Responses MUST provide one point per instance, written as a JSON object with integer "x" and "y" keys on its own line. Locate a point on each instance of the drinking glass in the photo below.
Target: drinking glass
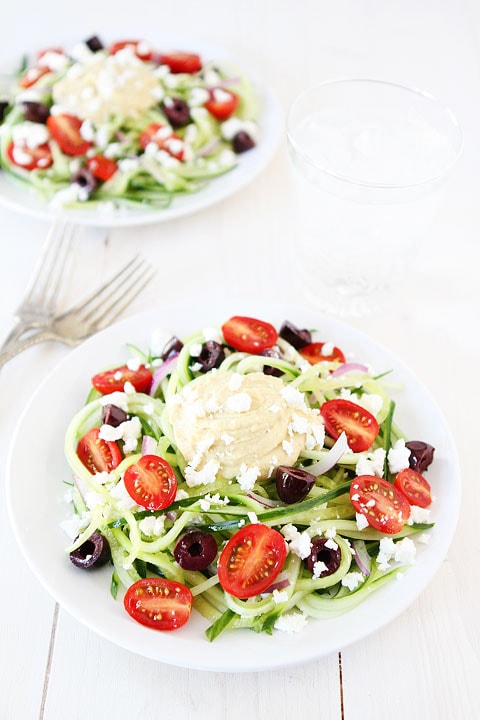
{"x": 369, "y": 159}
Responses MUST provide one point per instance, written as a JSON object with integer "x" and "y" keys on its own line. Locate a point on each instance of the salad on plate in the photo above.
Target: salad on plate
{"x": 254, "y": 474}
{"x": 125, "y": 124}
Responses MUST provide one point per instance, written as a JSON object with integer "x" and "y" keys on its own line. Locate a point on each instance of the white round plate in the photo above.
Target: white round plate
{"x": 20, "y": 197}
{"x": 35, "y": 499}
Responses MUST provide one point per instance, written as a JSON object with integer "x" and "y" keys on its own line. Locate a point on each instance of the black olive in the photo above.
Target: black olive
{"x": 93, "y": 552}
{"x": 273, "y": 352}
{"x": 176, "y": 111}
{"x": 85, "y": 179}
{"x": 113, "y": 415}
{"x": 174, "y": 345}
{"x": 195, "y": 550}
{"x": 3, "y": 109}
{"x": 320, "y": 553}
{"x": 293, "y": 335}
{"x": 242, "y": 142}
{"x": 421, "y": 454}
{"x": 36, "y": 112}
{"x": 94, "y": 43}
{"x": 293, "y": 484}
{"x": 211, "y": 356}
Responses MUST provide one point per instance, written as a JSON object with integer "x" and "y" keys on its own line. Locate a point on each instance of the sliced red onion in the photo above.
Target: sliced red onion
{"x": 264, "y": 501}
{"x": 279, "y": 585}
{"x": 209, "y": 147}
{"x": 81, "y": 486}
{"x": 161, "y": 373}
{"x": 149, "y": 445}
{"x": 361, "y": 556}
{"x": 328, "y": 461}
{"x": 228, "y": 81}
{"x": 349, "y": 367}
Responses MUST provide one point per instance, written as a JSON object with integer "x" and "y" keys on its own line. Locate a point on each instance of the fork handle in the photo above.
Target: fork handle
{"x": 15, "y": 348}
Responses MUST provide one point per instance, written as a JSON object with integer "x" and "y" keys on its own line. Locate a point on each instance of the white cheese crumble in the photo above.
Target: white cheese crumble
{"x": 402, "y": 552}
{"x": 418, "y": 515}
{"x": 241, "y": 402}
{"x": 279, "y": 596}
{"x": 128, "y": 431}
{"x": 299, "y": 543}
{"x": 291, "y": 622}
{"x": 153, "y": 525}
{"x": 247, "y": 477}
{"x": 371, "y": 463}
{"x": 352, "y": 580}
{"x": 119, "y": 399}
{"x": 398, "y": 456}
{"x": 361, "y": 521}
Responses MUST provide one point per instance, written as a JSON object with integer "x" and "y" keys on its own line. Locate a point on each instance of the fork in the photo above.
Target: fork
{"x": 94, "y": 313}
{"x": 39, "y": 304}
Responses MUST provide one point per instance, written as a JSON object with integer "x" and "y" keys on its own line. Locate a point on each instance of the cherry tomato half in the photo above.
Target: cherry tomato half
{"x": 414, "y": 486}
{"x": 102, "y": 167}
{"x": 32, "y": 75}
{"x": 313, "y": 353}
{"x": 222, "y": 103}
{"x": 65, "y": 129}
{"x": 385, "y": 508}
{"x": 182, "y": 62}
{"x": 251, "y": 560}
{"x": 158, "y": 603}
{"x": 38, "y": 158}
{"x": 114, "y": 380}
{"x": 248, "y": 334}
{"x": 360, "y": 426}
{"x": 96, "y": 454}
{"x": 141, "y": 49}
{"x": 171, "y": 143}
{"x": 151, "y": 482}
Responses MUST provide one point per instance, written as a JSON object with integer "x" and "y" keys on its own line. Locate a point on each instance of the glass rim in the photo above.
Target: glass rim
{"x": 386, "y": 83}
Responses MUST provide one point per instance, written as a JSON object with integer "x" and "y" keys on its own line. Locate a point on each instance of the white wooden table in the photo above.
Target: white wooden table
{"x": 425, "y": 664}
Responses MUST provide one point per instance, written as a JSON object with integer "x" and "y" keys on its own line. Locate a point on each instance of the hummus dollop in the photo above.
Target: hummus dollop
{"x": 241, "y": 427}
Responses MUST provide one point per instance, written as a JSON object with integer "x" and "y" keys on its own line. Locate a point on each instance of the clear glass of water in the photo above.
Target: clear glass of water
{"x": 369, "y": 159}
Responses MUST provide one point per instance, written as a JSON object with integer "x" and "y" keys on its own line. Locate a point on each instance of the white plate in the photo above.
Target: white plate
{"x": 36, "y": 507}
{"x": 20, "y": 197}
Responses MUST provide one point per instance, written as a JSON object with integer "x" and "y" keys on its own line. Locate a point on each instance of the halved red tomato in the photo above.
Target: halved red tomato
{"x": 384, "y": 507}
{"x": 222, "y": 103}
{"x": 151, "y": 482}
{"x": 414, "y": 486}
{"x": 249, "y": 334}
{"x": 360, "y": 426}
{"x": 32, "y": 75}
{"x": 140, "y": 48}
{"x": 65, "y": 129}
{"x": 114, "y": 380}
{"x": 170, "y": 142}
{"x": 159, "y": 603}
{"x": 38, "y": 158}
{"x": 181, "y": 62}
{"x": 102, "y": 167}
{"x": 251, "y": 560}
{"x": 313, "y": 353}
{"x": 96, "y": 454}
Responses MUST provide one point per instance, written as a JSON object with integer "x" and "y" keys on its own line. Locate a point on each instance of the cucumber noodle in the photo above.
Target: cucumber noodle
{"x": 222, "y": 507}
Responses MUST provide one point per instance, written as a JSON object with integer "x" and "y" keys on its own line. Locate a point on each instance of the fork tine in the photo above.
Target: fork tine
{"x": 47, "y": 277}
{"x": 130, "y": 291}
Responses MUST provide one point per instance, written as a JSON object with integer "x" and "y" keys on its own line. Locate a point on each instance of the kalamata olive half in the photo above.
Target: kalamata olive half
{"x": 36, "y": 112}
{"x": 293, "y": 484}
{"x": 3, "y": 109}
{"x": 273, "y": 352}
{"x": 94, "y": 43}
{"x": 195, "y": 550}
{"x": 421, "y": 454}
{"x": 93, "y": 552}
{"x": 85, "y": 179}
{"x": 113, "y": 415}
{"x": 242, "y": 142}
{"x": 176, "y": 111}
{"x": 331, "y": 557}
{"x": 211, "y": 356}
{"x": 295, "y": 336}
{"x": 174, "y": 345}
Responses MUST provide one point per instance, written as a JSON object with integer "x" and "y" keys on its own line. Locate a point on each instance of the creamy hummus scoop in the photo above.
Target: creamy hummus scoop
{"x": 233, "y": 426}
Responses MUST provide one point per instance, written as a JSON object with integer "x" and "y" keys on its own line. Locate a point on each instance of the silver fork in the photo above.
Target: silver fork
{"x": 94, "y": 313}
{"x": 39, "y": 304}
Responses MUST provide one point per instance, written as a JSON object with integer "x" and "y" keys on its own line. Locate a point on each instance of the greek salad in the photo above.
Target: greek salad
{"x": 254, "y": 474}
{"x": 124, "y": 124}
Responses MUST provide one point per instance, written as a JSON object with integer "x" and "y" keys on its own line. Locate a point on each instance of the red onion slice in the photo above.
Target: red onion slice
{"x": 161, "y": 373}
{"x": 264, "y": 501}
{"x": 361, "y": 556}
{"x": 349, "y": 367}
{"x": 328, "y": 461}
{"x": 149, "y": 445}
{"x": 81, "y": 486}
{"x": 279, "y": 585}
{"x": 209, "y": 147}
